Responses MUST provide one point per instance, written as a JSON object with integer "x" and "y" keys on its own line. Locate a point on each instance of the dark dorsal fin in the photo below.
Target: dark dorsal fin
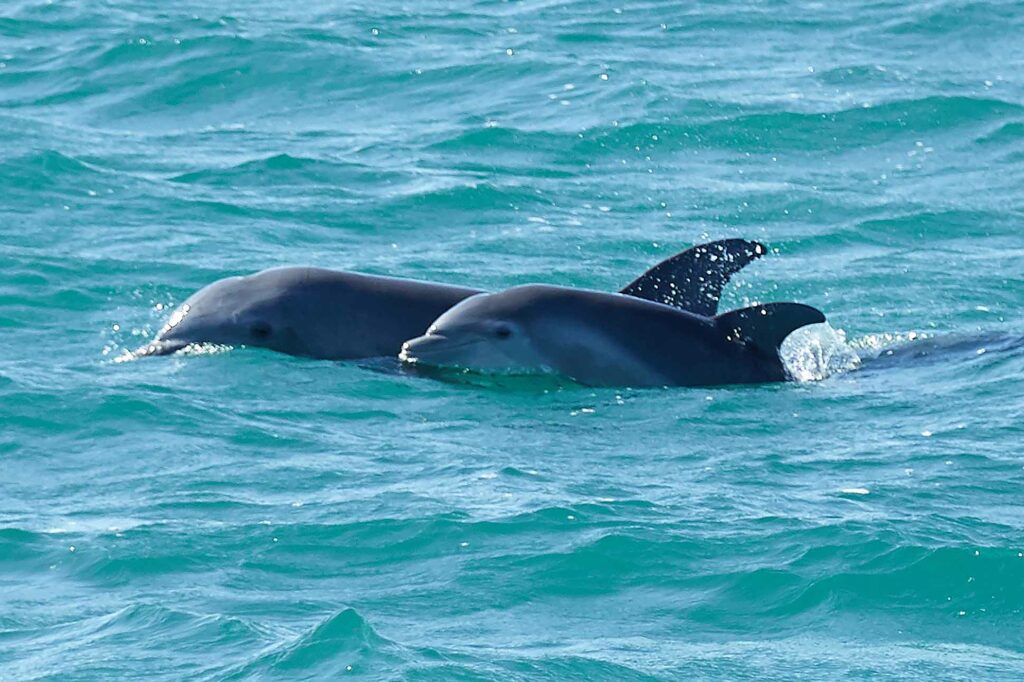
{"x": 766, "y": 326}
{"x": 693, "y": 280}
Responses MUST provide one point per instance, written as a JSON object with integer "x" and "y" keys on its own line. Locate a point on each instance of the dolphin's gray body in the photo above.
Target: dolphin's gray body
{"x": 602, "y": 339}
{"x": 336, "y": 315}
{"x": 310, "y": 312}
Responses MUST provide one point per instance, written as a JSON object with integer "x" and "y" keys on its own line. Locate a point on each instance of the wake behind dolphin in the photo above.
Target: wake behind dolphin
{"x": 335, "y": 315}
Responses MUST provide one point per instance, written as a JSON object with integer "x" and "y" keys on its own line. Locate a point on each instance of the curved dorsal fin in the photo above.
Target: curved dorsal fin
{"x": 693, "y": 280}
{"x": 766, "y": 326}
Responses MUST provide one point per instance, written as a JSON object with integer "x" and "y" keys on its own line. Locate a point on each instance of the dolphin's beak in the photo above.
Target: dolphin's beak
{"x": 429, "y": 349}
{"x": 160, "y": 347}
{"x": 412, "y": 348}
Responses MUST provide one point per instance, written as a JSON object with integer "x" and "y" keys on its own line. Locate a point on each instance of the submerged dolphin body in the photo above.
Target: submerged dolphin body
{"x": 601, "y": 339}
{"x": 336, "y": 315}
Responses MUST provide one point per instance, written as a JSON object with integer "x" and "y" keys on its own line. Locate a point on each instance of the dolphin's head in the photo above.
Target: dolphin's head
{"x": 235, "y": 311}
{"x": 486, "y": 332}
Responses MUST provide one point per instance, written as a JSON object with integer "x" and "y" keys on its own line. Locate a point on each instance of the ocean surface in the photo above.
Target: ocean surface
{"x": 249, "y": 515}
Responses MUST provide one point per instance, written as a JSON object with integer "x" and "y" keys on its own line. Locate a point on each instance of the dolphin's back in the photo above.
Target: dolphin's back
{"x": 369, "y": 315}
{"x": 612, "y": 339}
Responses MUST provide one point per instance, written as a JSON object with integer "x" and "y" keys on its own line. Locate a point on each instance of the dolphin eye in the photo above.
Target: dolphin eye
{"x": 261, "y": 330}
{"x": 503, "y": 331}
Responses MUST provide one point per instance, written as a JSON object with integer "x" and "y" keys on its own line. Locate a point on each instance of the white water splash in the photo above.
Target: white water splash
{"x": 816, "y": 352}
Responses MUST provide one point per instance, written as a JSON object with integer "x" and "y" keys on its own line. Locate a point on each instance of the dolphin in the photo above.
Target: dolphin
{"x": 306, "y": 311}
{"x": 602, "y": 339}
{"x": 338, "y": 315}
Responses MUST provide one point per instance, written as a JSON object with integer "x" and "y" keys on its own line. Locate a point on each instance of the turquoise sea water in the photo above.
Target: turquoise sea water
{"x": 247, "y": 515}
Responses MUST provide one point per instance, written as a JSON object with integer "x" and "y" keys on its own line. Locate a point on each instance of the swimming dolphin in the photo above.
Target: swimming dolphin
{"x": 311, "y": 312}
{"x": 336, "y": 315}
{"x": 602, "y": 339}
